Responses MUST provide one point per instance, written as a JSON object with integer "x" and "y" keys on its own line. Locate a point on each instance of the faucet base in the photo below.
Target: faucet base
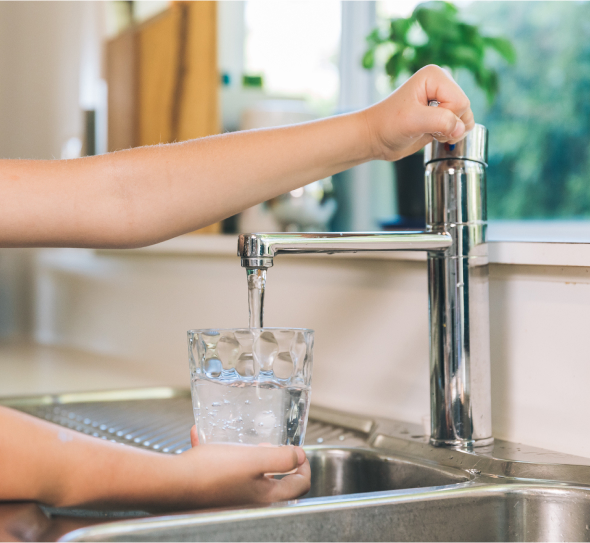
{"x": 462, "y": 443}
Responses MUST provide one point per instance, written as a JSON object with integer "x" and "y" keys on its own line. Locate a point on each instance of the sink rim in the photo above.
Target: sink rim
{"x": 209, "y": 517}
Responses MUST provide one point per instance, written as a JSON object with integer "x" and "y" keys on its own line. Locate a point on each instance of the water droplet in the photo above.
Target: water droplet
{"x": 216, "y": 404}
{"x": 247, "y": 402}
{"x": 320, "y": 440}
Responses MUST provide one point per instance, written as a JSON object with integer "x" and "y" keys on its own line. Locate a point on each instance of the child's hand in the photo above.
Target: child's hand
{"x": 223, "y": 475}
{"x": 403, "y": 123}
{"x": 64, "y": 468}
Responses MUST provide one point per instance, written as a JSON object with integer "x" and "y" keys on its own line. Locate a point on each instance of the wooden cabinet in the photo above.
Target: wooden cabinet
{"x": 163, "y": 81}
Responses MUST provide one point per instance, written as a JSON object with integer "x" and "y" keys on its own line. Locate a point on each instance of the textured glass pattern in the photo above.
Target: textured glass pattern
{"x": 251, "y": 385}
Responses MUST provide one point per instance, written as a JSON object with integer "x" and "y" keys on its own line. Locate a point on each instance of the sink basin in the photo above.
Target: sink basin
{"x": 472, "y": 512}
{"x": 340, "y": 471}
{"x": 337, "y": 473}
{"x": 378, "y": 480}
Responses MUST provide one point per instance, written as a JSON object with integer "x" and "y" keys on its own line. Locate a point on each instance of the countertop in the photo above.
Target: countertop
{"x": 29, "y": 368}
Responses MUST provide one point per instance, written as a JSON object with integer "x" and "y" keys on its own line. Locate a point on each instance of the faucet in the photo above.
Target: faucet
{"x": 458, "y": 300}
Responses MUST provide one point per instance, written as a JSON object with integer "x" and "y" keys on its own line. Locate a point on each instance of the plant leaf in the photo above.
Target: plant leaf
{"x": 438, "y": 5}
{"x": 374, "y": 38}
{"x": 470, "y": 35}
{"x": 502, "y": 46}
{"x": 369, "y": 59}
{"x": 398, "y": 29}
{"x": 469, "y": 57}
{"x": 438, "y": 24}
{"x": 395, "y": 65}
{"x": 444, "y": 40}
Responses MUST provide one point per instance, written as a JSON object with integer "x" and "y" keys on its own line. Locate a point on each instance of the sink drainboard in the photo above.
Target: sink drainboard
{"x": 158, "y": 424}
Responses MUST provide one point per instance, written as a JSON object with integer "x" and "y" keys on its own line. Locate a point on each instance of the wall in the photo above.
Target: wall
{"x": 42, "y": 45}
{"x": 370, "y": 317}
{"x": 541, "y": 355}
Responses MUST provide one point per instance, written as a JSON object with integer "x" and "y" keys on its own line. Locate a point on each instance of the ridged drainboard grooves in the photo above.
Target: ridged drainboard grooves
{"x": 159, "y": 424}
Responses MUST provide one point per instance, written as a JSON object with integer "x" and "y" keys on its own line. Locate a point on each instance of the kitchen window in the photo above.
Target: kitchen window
{"x": 294, "y": 45}
{"x": 540, "y": 123}
{"x": 539, "y": 164}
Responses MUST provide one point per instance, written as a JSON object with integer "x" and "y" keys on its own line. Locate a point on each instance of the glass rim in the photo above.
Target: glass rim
{"x": 270, "y": 328}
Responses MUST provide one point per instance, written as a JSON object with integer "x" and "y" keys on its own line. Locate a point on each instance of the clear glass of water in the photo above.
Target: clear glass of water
{"x": 251, "y": 385}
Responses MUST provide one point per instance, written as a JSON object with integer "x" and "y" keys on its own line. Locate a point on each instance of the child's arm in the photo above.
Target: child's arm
{"x": 145, "y": 195}
{"x": 44, "y": 462}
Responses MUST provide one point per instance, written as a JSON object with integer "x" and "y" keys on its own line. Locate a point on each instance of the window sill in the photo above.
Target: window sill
{"x": 500, "y": 252}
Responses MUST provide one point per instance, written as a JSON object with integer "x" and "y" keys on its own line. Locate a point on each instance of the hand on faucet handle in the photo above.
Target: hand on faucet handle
{"x": 403, "y": 123}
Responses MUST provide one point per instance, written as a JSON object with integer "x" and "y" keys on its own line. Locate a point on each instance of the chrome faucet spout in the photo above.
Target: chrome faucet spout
{"x": 259, "y": 250}
{"x": 455, "y": 240}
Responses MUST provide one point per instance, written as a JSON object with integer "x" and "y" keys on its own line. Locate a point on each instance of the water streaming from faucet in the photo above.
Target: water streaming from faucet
{"x": 256, "y": 285}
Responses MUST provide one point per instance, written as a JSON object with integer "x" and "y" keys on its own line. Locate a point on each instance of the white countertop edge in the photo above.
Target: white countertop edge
{"x": 500, "y": 252}
{"x": 540, "y": 253}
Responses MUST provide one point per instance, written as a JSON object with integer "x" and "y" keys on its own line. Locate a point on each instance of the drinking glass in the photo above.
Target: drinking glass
{"x": 251, "y": 385}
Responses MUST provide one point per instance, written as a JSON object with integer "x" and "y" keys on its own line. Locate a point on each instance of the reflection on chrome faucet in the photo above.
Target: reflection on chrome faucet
{"x": 455, "y": 240}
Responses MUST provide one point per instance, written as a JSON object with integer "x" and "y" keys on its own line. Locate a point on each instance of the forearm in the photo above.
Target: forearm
{"x": 44, "y": 462}
{"x": 142, "y": 196}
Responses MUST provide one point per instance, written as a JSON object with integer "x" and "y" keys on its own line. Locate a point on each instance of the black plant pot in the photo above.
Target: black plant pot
{"x": 411, "y": 205}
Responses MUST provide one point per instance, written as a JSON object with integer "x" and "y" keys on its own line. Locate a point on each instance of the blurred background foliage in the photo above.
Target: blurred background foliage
{"x": 539, "y": 166}
{"x": 436, "y": 34}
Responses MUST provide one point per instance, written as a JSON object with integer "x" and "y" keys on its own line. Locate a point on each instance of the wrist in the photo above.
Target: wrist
{"x": 161, "y": 482}
{"x": 144, "y": 480}
{"x": 372, "y": 147}
{"x": 113, "y": 475}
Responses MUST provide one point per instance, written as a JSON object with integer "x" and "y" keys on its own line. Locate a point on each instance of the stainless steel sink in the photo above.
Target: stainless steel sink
{"x": 510, "y": 512}
{"x": 340, "y": 471}
{"x": 372, "y": 480}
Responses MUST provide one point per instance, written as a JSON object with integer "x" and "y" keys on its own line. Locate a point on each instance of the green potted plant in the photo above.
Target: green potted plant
{"x": 433, "y": 34}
